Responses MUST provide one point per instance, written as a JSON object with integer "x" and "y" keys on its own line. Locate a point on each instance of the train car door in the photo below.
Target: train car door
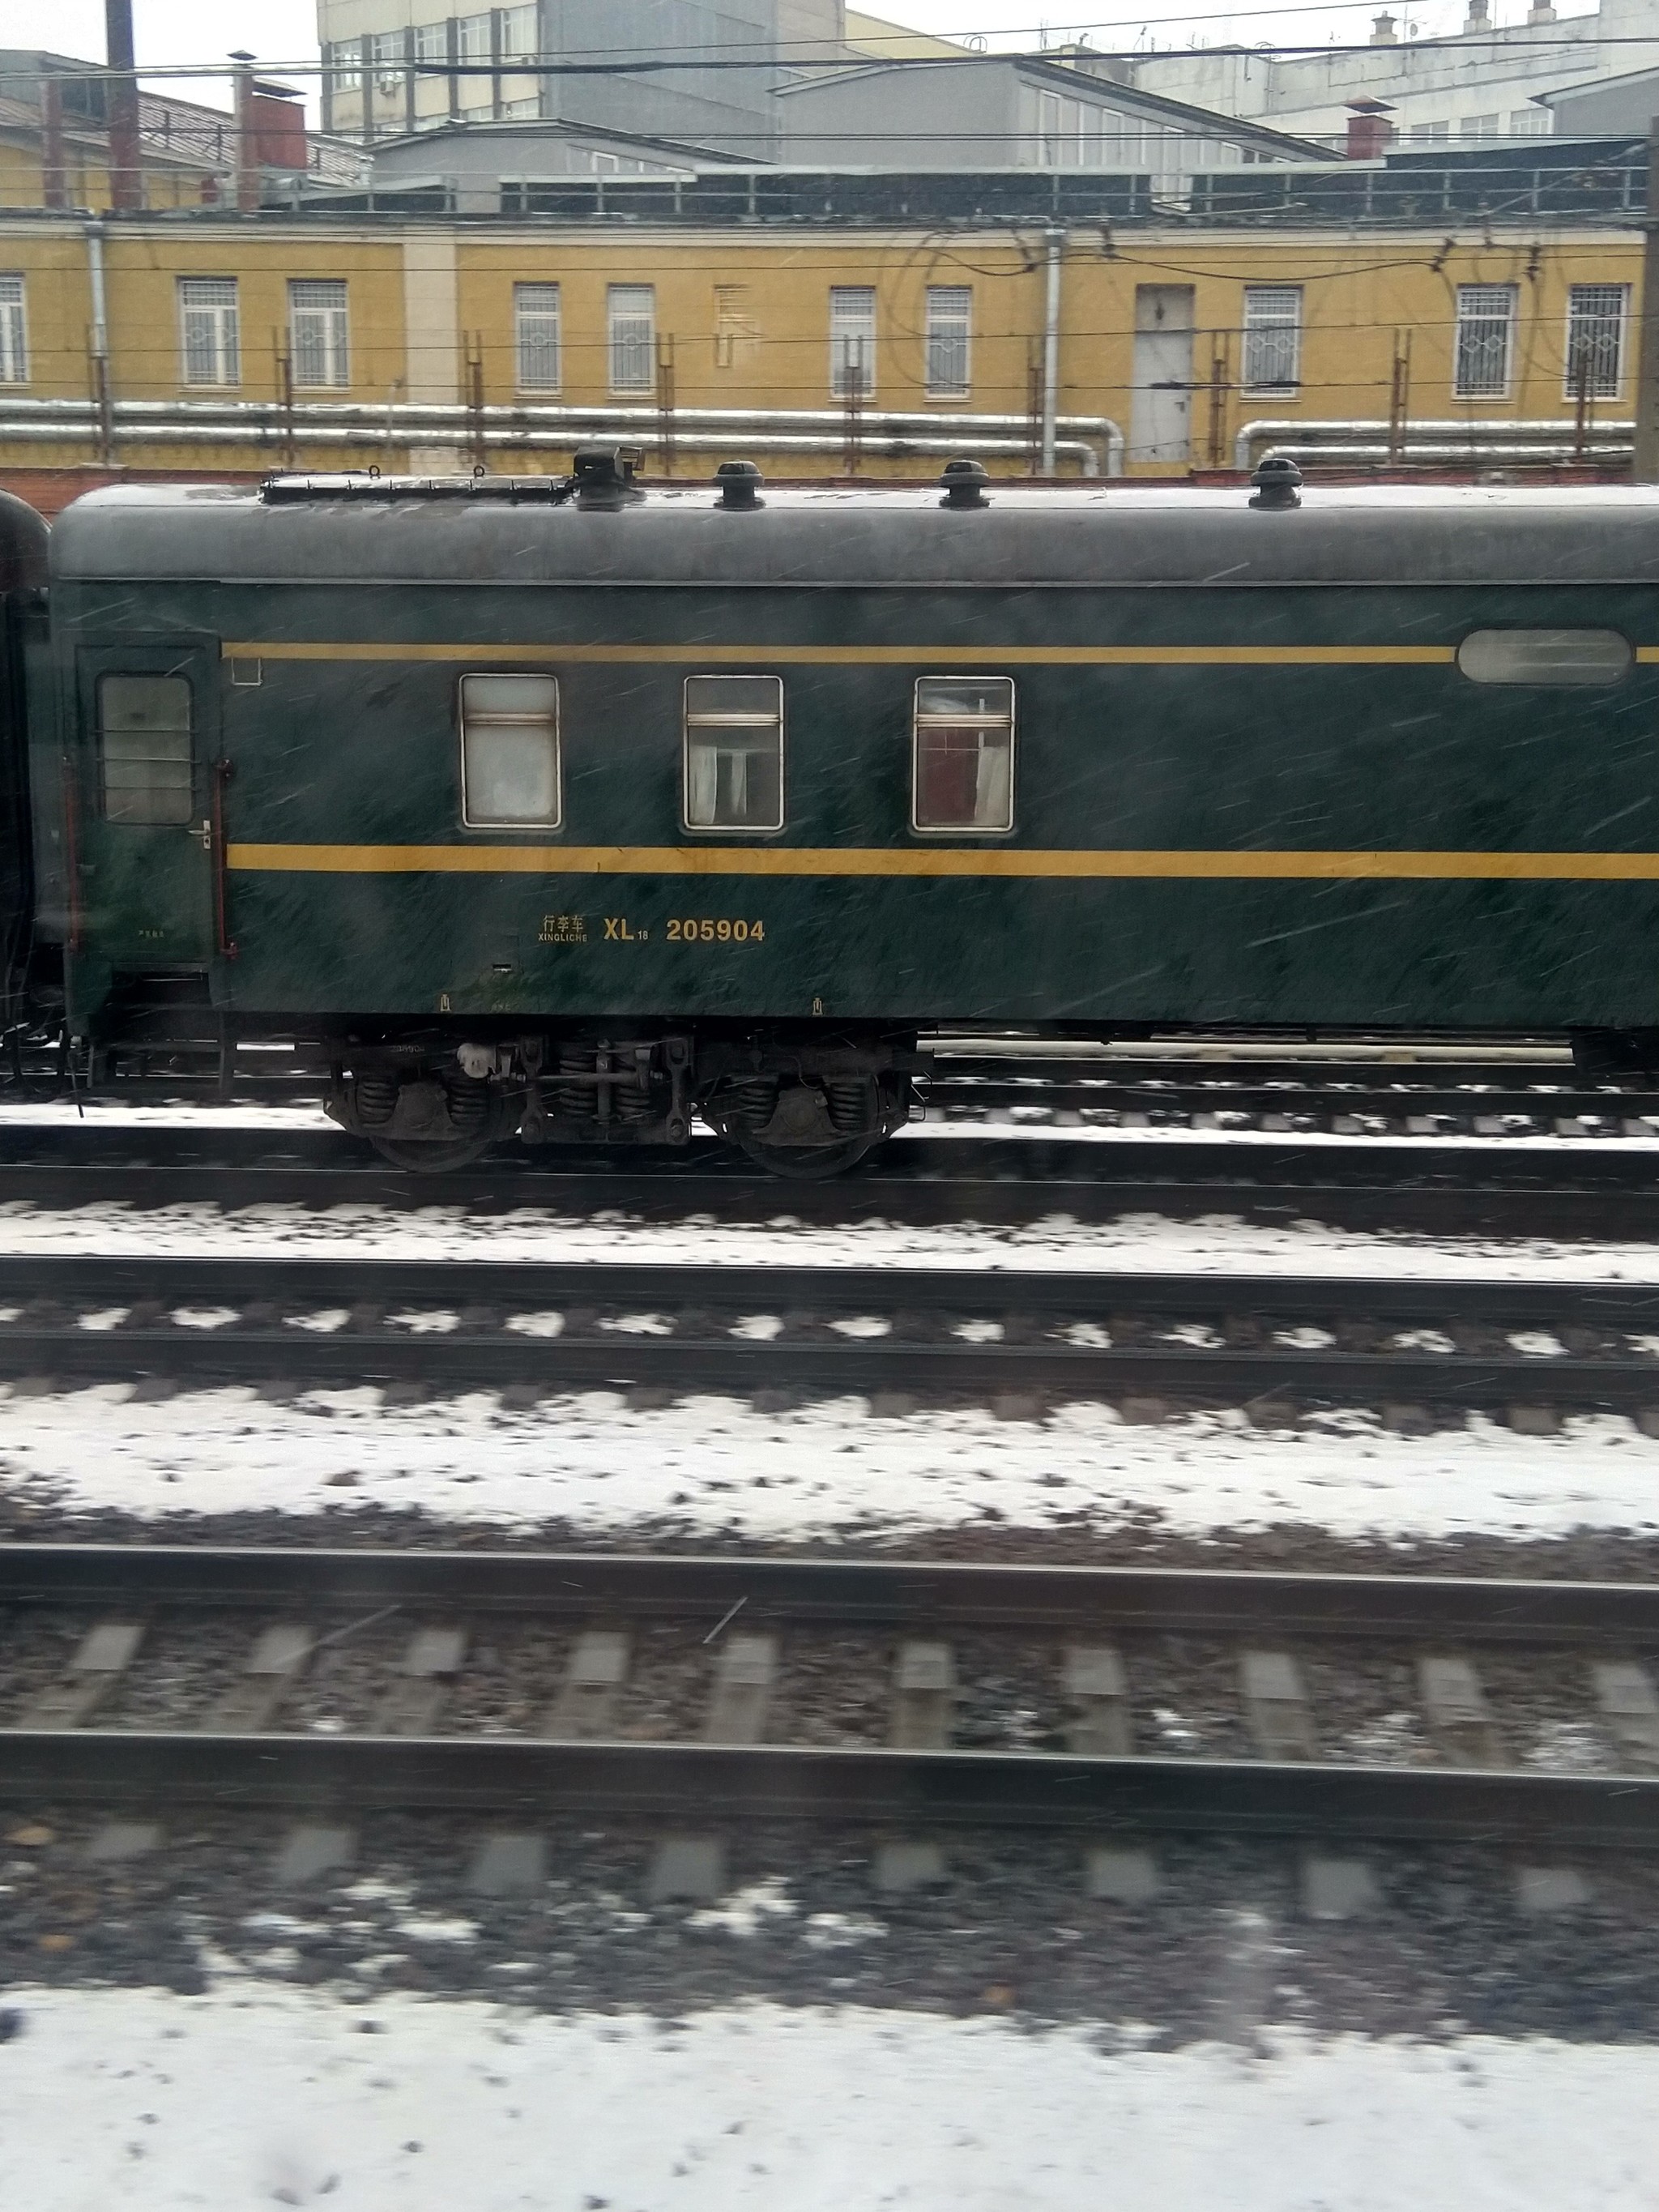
{"x": 145, "y": 832}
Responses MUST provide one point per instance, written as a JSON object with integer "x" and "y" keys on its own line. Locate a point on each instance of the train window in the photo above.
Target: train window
{"x": 734, "y": 752}
{"x": 1545, "y": 656}
{"x": 964, "y": 742}
{"x": 510, "y": 752}
{"x": 143, "y": 730}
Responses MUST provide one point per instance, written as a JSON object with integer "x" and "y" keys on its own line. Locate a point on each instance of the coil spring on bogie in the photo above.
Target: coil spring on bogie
{"x": 468, "y": 1098}
{"x": 573, "y": 1102}
{"x": 752, "y": 1105}
{"x": 376, "y": 1099}
{"x": 850, "y": 1104}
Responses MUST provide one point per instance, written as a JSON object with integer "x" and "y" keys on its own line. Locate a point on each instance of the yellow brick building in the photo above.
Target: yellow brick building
{"x": 220, "y": 343}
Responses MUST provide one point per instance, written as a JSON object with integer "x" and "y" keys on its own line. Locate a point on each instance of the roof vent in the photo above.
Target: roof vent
{"x": 1277, "y": 483}
{"x": 739, "y": 484}
{"x": 964, "y": 483}
{"x": 605, "y": 476}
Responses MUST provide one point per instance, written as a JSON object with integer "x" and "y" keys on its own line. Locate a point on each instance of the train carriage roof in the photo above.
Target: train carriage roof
{"x": 440, "y": 531}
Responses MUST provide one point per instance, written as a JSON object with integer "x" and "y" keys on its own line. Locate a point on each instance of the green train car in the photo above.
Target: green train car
{"x": 551, "y": 808}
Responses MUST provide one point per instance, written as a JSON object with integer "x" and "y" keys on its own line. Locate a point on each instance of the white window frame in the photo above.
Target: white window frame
{"x": 432, "y": 44}
{"x": 488, "y": 718}
{"x": 539, "y": 336}
{"x": 215, "y": 300}
{"x": 630, "y": 330}
{"x": 1271, "y": 337}
{"x": 730, "y": 719}
{"x": 950, "y": 342}
{"x": 13, "y": 329}
{"x": 472, "y": 38}
{"x": 525, "y": 15}
{"x": 344, "y": 75}
{"x": 852, "y": 341}
{"x": 1489, "y": 308}
{"x": 919, "y": 720}
{"x": 1606, "y": 305}
{"x": 320, "y": 333}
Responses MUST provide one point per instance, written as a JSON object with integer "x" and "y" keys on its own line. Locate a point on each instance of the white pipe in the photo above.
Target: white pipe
{"x": 1453, "y": 454}
{"x": 1054, "y": 239}
{"x": 354, "y": 435}
{"x": 954, "y": 432}
{"x": 1472, "y": 433}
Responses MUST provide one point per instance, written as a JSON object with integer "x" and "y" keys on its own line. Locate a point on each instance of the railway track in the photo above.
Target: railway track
{"x": 1586, "y": 1190}
{"x": 964, "y": 1694}
{"x": 1151, "y": 1343}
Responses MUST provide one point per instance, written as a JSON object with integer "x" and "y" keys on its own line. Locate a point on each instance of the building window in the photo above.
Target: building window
{"x": 734, "y": 752}
{"x": 963, "y": 777}
{"x": 1597, "y": 315}
{"x": 950, "y": 332}
{"x": 1530, "y": 123}
{"x": 1479, "y": 126}
{"x": 852, "y": 341}
{"x": 536, "y": 334}
{"x": 1486, "y": 340}
{"x": 432, "y": 44}
{"x": 472, "y": 38}
{"x": 519, "y": 37}
{"x": 210, "y": 340}
{"x": 1430, "y": 134}
{"x": 319, "y": 332}
{"x": 510, "y": 752}
{"x": 345, "y": 74}
{"x": 734, "y": 327}
{"x": 14, "y": 332}
{"x": 143, "y": 730}
{"x": 1545, "y": 656}
{"x": 631, "y": 312}
{"x": 385, "y": 51}
{"x": 1273, "y": 337}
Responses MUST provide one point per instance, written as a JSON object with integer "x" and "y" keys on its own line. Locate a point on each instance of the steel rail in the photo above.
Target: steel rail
{"x": 673, "y": 1780}
{"x": 701, "y": 1357}
{"x": 931, "y": 1594}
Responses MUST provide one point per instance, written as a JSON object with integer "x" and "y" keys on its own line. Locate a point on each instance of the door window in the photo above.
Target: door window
{"x": 143, "y": 730}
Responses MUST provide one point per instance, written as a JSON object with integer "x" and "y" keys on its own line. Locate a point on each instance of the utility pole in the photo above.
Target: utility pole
{"x": 127, "y": 188}
{"x": 1646, "y": 468}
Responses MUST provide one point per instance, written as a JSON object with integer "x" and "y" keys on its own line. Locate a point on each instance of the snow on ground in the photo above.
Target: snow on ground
{"x": 1141, "y": 1243}
{"x": 253, "y": 2095}
{"x": 718, "y": 1465}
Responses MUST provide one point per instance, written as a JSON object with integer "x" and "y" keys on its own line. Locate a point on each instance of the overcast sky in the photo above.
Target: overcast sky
{"x": 187, "y": 32}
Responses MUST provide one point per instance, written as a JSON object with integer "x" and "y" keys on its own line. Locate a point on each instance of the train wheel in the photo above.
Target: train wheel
{"x": 437, "y": 1158}
{"x": 805, "y": 1162}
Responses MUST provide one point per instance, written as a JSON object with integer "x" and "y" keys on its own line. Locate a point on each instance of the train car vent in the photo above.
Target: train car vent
{"x": 604, "y": 477}
{"x": 739, "y": 484}
{"x": 964, "y": 483}
{"x": 1278, "y": 484}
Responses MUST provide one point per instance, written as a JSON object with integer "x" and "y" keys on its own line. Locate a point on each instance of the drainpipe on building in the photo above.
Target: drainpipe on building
{"x": 101, "y": 396}
{"x": 1646, "y": 468}
{"x": 1054, "y": 239}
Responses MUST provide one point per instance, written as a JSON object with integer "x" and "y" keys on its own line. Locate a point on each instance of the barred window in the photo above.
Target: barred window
{"x": 536, "y": 332}
{"x": 318, "y": 332}
{"x": 962, "y": 773}
{"x": 632, "y": 317}
{"x": 143, "y": 732}
{"x": 510, "y": 752}
{"x": 1486, "y": 340}
{"x": 1273, "y": 337}
{"x": 210, "y": 339}
{"x": 1597, "y": 317}
{"x": 852, "y": 341}
{"x": 14, "y": 332}
{"x": 734, "y": 752}
{"x": 950, "y": 334}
